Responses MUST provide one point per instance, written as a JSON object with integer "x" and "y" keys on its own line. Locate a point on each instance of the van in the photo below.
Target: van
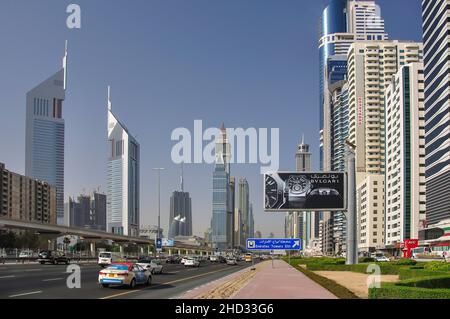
{"x": 107, "y": 258}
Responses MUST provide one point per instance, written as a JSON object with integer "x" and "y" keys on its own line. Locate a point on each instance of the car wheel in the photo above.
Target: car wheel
{"x": 149, "y": 281}
{"x": 42, "y": 262}
{"x": 55, "y": 262}
{"x": 105, "y": 285}
{"x": 161, "y": 271}
{"x": 67, "y": 261}
{"x": 133, "y": 283}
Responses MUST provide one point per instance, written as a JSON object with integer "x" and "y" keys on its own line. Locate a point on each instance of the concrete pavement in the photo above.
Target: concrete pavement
{"x": 282, "y": 282}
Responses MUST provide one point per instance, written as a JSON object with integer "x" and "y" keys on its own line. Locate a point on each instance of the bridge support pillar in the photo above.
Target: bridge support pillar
{"x": 121, "y": 250}
{"x": 141, "y": 250}
{"x": 92, "y": 249}
{"x": 170, "y": 252}
{"x": 179, "y": 252}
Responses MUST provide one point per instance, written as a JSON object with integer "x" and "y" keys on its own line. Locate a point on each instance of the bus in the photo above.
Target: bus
{"x": 248, "y": 258}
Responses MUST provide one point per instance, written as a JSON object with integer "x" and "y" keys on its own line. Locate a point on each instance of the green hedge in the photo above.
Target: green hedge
{"x": 434, "y": 282}
{"x": 386, "y": 268}
{"x": 393, "y": 291}
{"x": 408, "y": 273}
{"x": 405, "y": 262}
{"x": 438, "y": 266}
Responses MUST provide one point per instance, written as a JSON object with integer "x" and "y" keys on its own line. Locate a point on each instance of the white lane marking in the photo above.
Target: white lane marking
{"x": 26, "y": 294}
{"x": 52, "y": 279}
{"x": 11, "y": 276}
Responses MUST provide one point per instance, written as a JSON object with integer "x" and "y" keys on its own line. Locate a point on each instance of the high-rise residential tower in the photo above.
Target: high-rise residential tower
{"x": 221, "y": 192}
{"x": 405, "y": 155}
{"x": 372, "y": 66}
{"x": 180, "y": 219}
{"x": 436, "y": 27}
{"x": 123, "y": 178}
{"x": 87, "y": 212}
{"x": 45, "y": 134}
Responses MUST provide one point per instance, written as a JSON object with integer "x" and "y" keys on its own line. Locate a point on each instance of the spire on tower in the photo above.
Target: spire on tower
{"x": 109, "y": 98}
{"x": 182, "y": 178}
{"x": 65, "y": 63}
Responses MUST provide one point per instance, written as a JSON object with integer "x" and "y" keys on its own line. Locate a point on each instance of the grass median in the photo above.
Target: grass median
{"x": 339, "y": 291}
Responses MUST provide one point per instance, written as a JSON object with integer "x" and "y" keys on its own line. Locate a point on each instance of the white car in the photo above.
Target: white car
{"x": 232, "y": 261}
{"x": 191, "y": 262}
{"x": 183, "y": 260}
{"x": 124, "y": 274}
{"x": 214, "y": 259}
{"x": 154, "y": 266}
{"x": 381, "y": 258}
{"x": 26, "y": 254}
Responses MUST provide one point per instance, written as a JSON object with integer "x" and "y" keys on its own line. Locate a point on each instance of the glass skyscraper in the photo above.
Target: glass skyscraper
{"x": 436, "y": 27}
{"x": 123, "y": 178}
{"x": 221, "y": 193}
{"x": 45, "y": 133}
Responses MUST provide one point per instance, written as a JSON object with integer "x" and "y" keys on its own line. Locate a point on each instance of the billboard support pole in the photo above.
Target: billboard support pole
{"x": 352, "y": 246}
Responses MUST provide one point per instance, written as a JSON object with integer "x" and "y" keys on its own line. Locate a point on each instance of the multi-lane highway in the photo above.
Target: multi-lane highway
{"x": 49, "y": 281}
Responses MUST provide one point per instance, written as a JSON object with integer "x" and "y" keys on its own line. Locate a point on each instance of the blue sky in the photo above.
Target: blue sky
{"x": 248, "y": 63}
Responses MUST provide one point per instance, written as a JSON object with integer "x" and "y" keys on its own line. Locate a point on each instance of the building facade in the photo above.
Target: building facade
{"x": 26, "y": 199}
{"x": 180, "y": 218}
{"x": 123, "y": 178}
{"x": 436, "y": 27}
{"x": 244, "y": 210}
{"x": 405, "y": 155}
{"x": 45, "y": 133}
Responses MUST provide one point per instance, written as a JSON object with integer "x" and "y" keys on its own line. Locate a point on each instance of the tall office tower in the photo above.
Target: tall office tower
{"x": 123, "y": 178}
{"x": 26, "y": 199}
{"x": 237, "y": 227}
{"x": 251, "y": 223}
{"x": 45, "y": 132}
{"x": 371, "y": 68}
{"x": 87, "y": 212}
{"x": 436, "y": 26}
{"x": 338, "y": 98}
{"x": 405, "y": 155}
{"x": 230, "y": 212}
{"x": 180, "y": 219}
{"x": 244, "y": 209}
{"x": 221, "y": 192}
{"x": 364, "y": 21}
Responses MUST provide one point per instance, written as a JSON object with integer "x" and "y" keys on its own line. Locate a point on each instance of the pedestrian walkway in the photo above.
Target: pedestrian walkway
{"x": 282, "y": 281}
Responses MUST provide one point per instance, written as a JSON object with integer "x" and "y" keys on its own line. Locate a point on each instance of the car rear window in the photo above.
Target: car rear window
{"x": 105, "y": 255}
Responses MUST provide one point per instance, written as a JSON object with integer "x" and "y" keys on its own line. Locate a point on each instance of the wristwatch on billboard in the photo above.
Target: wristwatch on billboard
{"x": 273, "y": 186}
{"x": 297, "y": 188}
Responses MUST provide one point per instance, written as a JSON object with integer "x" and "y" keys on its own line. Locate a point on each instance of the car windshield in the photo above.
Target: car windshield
{"x": 105, "y": 255}
{"x": 144, "y": 261}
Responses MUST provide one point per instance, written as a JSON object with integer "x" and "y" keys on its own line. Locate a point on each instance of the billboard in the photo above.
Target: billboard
{"x": 299, "y": 191}
{"x": 168, "y": 242}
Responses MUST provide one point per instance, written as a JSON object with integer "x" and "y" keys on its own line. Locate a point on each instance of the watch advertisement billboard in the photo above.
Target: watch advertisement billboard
{"x": 168, "y": 242}
{"x": 299, "y": 191}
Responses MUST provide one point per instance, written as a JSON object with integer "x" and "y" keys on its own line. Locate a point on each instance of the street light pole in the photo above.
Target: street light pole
{"x": 352, "y": 245}
{"x": 159, "y": 204}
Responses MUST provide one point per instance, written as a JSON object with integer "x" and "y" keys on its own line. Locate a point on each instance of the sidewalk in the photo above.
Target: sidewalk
{"x": 282, "y": 282}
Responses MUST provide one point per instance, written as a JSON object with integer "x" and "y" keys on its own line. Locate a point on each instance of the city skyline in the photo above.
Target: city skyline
{"x": 87, "y": 132}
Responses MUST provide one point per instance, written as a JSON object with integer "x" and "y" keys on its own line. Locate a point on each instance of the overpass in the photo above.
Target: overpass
{"x": 94, "y": 235}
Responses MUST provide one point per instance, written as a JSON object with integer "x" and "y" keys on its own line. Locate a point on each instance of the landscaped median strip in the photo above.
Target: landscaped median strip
{"x": 339, "y": 291}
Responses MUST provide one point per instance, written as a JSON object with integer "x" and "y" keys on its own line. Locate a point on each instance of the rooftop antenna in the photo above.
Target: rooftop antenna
{"x": 65, "y": 63}
{"x": 182, "y": 178}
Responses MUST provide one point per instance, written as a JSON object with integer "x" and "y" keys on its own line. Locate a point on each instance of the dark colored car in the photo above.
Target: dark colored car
{"x": 53, "y": 257}
{"x": 222, "y": 259}
{"x": 173, "y": 260}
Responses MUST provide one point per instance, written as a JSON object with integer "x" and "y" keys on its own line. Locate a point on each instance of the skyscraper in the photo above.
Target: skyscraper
{"x": 221, "y": 192}
{"x": 45, "y": 134}
{"x": 436, "y": 26}
{"x": 372, "y": 66}
{"x": 87, "y": 212}
{"x": 230, "y": 212}
{"x": 123, "y": 178}
{"x": 405, "y": 155}
{"x": 180, "y": 209}
{"x": 244, "y": 209}
{"x": 342, "y": 23}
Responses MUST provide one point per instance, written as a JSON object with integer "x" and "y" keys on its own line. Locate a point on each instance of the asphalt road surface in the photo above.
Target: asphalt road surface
{"x": 35, "y": 281}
